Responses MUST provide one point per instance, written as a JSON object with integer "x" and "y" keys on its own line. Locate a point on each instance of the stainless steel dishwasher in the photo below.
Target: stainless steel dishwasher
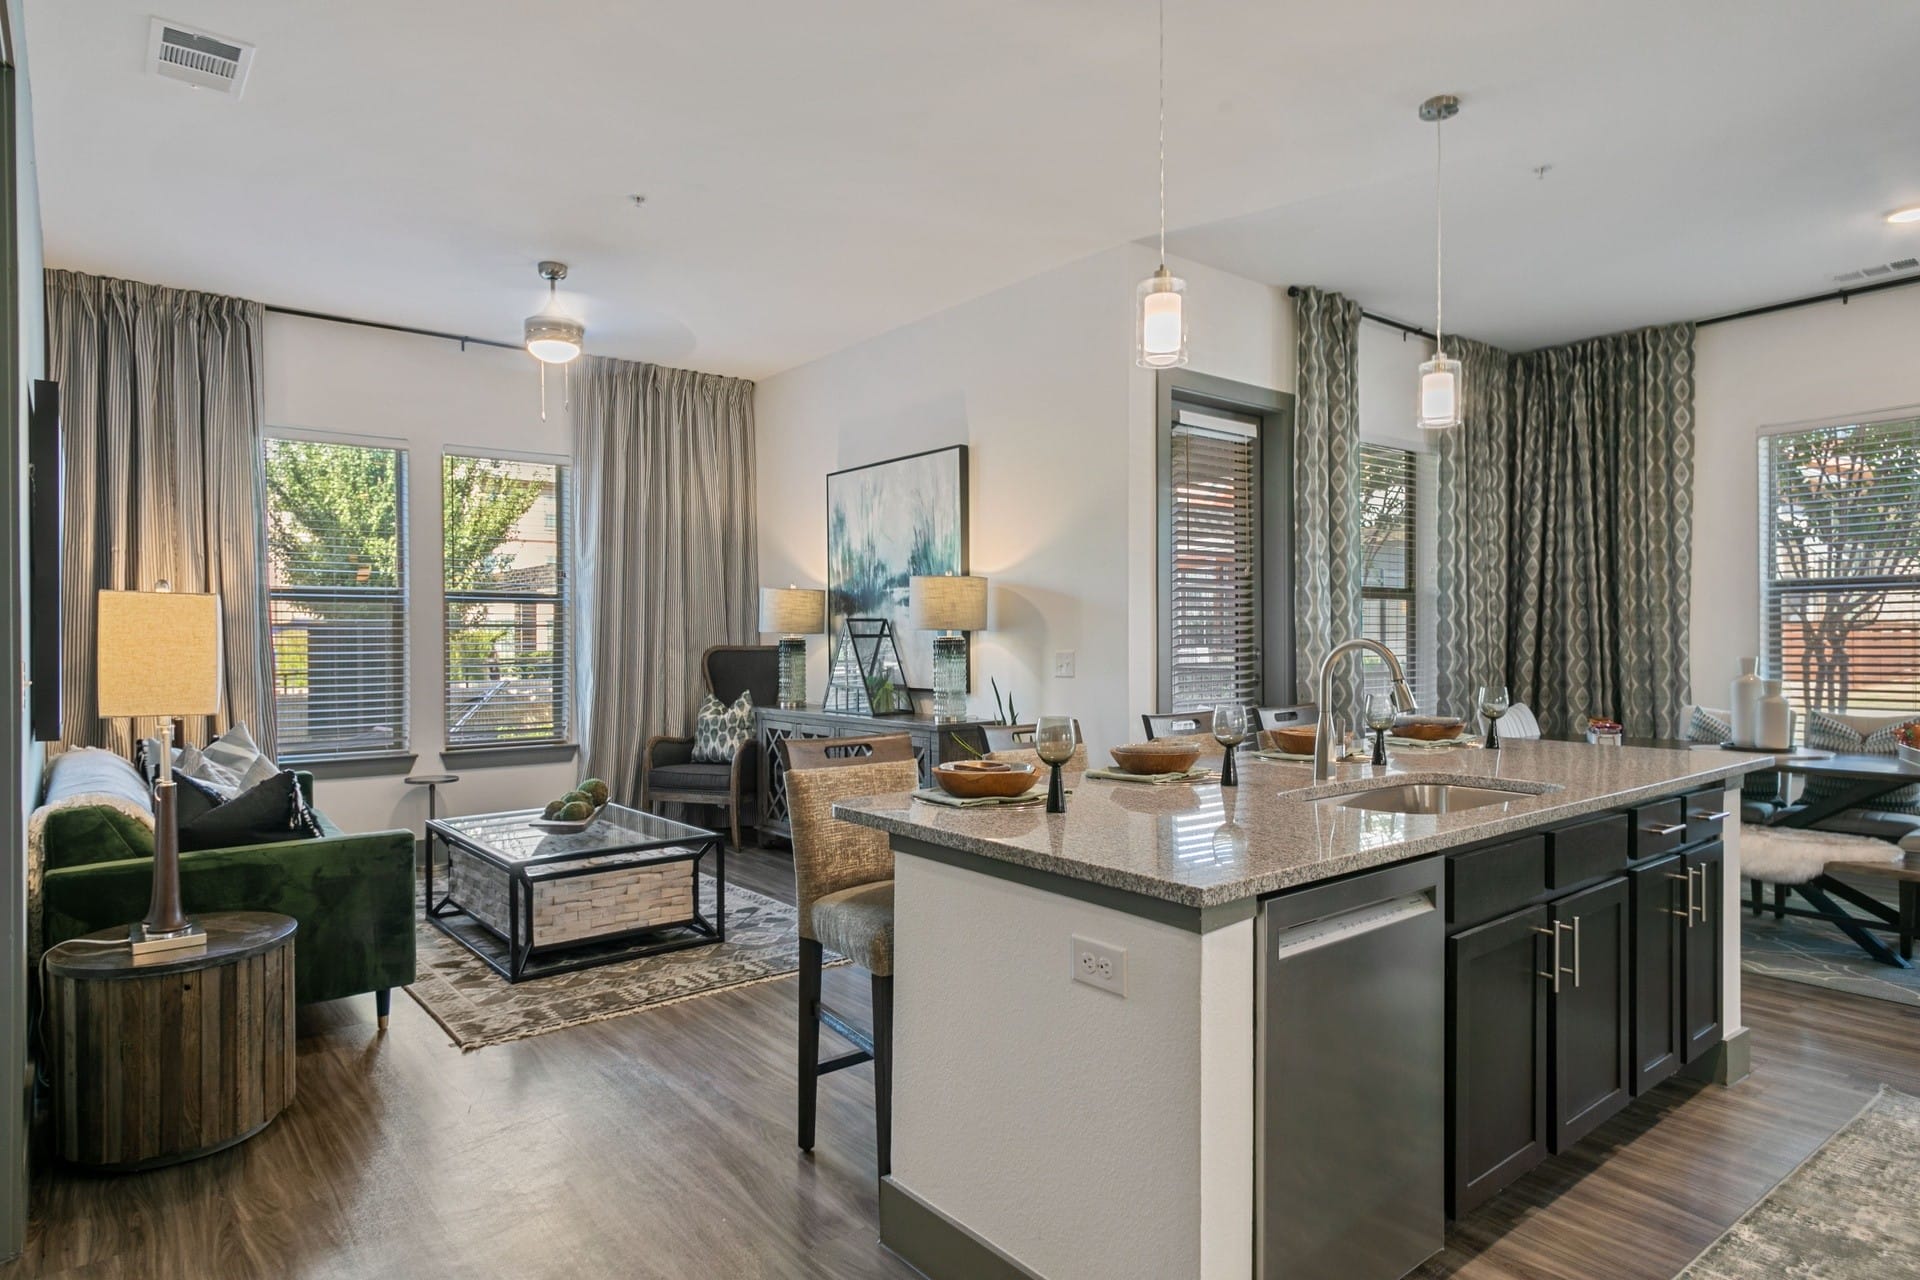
{"x": 1350, "y": 1108}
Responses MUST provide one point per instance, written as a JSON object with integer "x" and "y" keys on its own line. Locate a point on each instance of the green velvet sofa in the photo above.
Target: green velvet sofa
{"x": 353, "y": 895}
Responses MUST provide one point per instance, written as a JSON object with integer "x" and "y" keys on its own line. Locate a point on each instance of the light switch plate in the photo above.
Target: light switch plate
{"x": 1100, "y": 964}
{"x": 1063, "y": 664}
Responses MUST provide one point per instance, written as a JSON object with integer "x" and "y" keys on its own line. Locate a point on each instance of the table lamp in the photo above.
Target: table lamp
{"x": 793, "y": 613}
{"x": 949, "y": 605}
{"x": 158, "y": 654}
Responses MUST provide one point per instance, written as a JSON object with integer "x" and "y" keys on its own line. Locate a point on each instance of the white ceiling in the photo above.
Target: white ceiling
{"x": 820, "y": 173}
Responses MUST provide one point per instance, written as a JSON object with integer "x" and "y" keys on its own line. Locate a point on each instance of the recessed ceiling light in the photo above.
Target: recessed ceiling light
{"x": 1909, "y": 214}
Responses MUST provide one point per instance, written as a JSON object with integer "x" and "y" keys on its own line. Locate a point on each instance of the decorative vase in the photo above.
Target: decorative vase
{"x": 1744, "y": 706}
{"x": 1774, "y": 725}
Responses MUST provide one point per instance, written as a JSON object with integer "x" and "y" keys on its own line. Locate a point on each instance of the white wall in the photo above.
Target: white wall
{"x": 1812, "y": 365}
{"x": 430, "y": 395}
{"x": 1037, "y": 380}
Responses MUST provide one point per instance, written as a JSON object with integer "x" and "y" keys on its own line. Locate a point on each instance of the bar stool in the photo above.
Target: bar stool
{"x": 843, "y": 878}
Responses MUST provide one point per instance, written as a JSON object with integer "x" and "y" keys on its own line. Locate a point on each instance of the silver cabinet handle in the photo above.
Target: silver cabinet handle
{"x": 1686, "y": 915}
{"x": 1673, "y": 830}
{"x": 1553, "y": 970}
{"x": 1702, "y": 907}
{"x": 1718, "y": 815}
{"x": 1576, "y": 953}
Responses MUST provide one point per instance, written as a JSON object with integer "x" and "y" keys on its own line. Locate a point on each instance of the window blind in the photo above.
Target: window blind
{"x": 1840, "y": 565}
{"x": 508, "y": 678}
{"x": 1388, "y": 498}
{"x": 1213, "y": 587}
{"x": 336, "y": 597}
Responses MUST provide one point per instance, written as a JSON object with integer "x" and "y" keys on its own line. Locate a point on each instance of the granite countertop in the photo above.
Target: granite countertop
{"x": 1204, "y": 846}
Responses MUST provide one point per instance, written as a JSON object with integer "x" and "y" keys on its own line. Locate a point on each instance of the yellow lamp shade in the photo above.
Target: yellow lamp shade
{"x": 793, "y": 611}
{"x": 158, "y": 654}
{"x": 948, "y": 603}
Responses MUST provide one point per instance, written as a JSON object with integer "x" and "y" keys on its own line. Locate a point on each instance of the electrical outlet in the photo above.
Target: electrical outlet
{"x": 1063, "y": 664}
{"x": 1101, "y": 965}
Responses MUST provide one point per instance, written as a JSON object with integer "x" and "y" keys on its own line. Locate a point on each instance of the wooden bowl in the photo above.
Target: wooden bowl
{"x": 1295, "y": 741}
{"x": 974, "y": 779}
{"x": 1155, "y": 757}
{"x": 1427, "y": 728}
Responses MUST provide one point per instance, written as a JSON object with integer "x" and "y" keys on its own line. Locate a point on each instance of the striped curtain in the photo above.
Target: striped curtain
{"x": 1326, "y": 495}
{"x": 163, "y": 406}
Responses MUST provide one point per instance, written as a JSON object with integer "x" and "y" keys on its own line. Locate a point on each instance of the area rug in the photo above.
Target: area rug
{"x": 1847, "y": 1213}
{"x": 477, "y": 1007}
{"x": 1817, "y": 954}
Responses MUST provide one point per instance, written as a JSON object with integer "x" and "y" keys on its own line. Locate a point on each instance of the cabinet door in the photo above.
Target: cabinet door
{"x": 1496, "y": 1055}
{"x": 1588, "y": 1024}
{"x": 1657, "y": 905}
{"x": 1701, "y": 955}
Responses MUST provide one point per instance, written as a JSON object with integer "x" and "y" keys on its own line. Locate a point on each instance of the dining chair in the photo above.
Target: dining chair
{"x": 1178, "y": 724}
{"x": 1518, "y": 723}
{"x": 1294, "y": 717}
{"x": 843, "y": 882}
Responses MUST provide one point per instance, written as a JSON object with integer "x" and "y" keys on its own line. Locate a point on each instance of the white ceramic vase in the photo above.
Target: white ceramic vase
{"x": 1774, "y": 730}
{"x": 1744, "y": 704}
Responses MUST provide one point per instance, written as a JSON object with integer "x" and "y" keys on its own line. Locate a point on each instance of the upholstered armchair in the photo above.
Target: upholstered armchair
{"x": 670, "y": 774}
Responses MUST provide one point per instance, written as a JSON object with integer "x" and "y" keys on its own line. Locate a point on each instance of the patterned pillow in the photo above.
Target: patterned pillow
{"x": 1832, "y": 734}
{"x": 719, "y": 731}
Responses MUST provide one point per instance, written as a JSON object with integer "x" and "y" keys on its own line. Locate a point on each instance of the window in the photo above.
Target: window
{"x": 336, "y": 597}
{"x": 1213, "y": 592}
{"x": 1840, "y": 565}
{"x": 1389, "y": 491}
{"x": 507, "y": 671}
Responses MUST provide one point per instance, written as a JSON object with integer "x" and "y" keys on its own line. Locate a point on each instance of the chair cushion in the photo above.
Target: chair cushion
{"x": 858, "y": 923}
{"x": 1837, "y": 733}
{"x": 1786, "y": 855}
{"x": 690, "y": 777}
{"x": 719, "y": 731}
{"x": 1881, "y": 824}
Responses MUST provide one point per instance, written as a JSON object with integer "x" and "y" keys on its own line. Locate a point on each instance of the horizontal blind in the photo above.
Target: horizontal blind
{"x": 507, "y": 667}
{"x": 1213, "y": 592}
{"x": 337, "y": 598}
{"x": 1840, "y": 565}
{"x": 1388, "y": 500}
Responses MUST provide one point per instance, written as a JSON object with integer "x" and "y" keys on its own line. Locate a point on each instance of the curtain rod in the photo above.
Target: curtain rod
{"x": 1837, "y": 295}
{"x": 1412, "y": 330}
{"x": 461, "y": 338}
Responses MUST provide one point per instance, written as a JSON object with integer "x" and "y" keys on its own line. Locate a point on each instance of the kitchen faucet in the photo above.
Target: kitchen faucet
{"x": 1323, "y": 740}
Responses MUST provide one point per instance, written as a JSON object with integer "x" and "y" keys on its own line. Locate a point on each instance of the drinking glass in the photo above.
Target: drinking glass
{"x": 1493, "y": 704}
{"x": 1229, "y": 730}
{"x": 1380, "y": 715}
{"x": 1053, "y": 742}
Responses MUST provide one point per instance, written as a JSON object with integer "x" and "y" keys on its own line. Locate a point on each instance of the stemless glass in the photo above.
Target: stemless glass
{"x": 1493, "y": 705}
{"x": 1229, "y": 730}
{"x": 1053, "y": 742}
{"x": 1380, "y": 716}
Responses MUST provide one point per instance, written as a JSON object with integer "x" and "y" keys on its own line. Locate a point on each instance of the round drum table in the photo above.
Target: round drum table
{"x": 176, "y": 1058}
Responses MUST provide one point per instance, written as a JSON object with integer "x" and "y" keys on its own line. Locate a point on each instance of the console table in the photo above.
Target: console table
{"x": 934, "y": 742}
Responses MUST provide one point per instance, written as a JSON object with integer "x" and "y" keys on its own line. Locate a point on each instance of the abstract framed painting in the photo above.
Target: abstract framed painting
{"x": 886, "y": 523}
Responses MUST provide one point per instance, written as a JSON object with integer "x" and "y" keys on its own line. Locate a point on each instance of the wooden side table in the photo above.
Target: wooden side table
{"x": 167, "y": 1061}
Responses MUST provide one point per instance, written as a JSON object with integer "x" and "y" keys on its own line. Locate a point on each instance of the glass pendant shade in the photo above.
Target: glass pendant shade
{"x": 1161, "y": 336}
{"x": 1440, "y": 393}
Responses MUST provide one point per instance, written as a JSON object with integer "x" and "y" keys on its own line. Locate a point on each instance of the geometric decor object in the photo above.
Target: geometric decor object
{"x": 865, "y": 677}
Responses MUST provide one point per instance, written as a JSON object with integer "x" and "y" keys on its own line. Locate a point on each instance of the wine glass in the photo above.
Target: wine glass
{"x": 1053, "y": 741}
{"x": 1493, "y": 704}
{"x": 1380, "y": 715}
{"x": 1229, "y": 730}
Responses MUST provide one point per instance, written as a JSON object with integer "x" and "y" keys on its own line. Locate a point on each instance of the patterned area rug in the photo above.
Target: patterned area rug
{"x": 1816, "y": 953}
{"x": 477, "y": 1007}
{"x": 1847, "y": 1212}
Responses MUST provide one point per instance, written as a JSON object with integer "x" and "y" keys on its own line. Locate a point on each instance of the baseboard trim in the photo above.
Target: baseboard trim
{"x": 937, "y": 1246}
{"x": 1730, "y": 1062}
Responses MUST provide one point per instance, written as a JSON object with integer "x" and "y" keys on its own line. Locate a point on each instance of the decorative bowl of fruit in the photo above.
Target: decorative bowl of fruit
{"x": 575, "y": 811}
{"x": 1907, "y": 741}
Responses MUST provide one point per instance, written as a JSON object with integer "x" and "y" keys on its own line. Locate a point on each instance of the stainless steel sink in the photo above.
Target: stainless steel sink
{"x": 1428, "y": 797}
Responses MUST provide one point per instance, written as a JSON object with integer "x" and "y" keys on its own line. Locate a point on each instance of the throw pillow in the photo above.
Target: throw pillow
{"x": 1830, "y": 733}
{"x": 719, "y": 731}
{"x": 233, "y": 750}
{"x": 270, "y": 812}
{"x": 1710, "y": 724}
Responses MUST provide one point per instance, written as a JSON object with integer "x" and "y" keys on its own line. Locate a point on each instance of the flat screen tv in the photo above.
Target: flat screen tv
{"x": 43, "y": 566}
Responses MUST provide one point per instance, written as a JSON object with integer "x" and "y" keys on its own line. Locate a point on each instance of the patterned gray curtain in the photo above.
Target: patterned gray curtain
{"x": 665, "y": 549}
{"x": 1599, "y": 568}
{"x": 161, "y": 399}
{"x": 1470, "y": 627}
{"x": 1326, "y": 494}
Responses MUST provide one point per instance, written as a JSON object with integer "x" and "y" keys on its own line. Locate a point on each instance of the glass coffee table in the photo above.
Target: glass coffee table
{"x": 532, "y": 903}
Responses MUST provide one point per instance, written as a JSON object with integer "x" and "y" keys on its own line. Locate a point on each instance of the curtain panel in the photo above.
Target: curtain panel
{"x": 665, "y": 560}
{"x": 1326, "y": 494}
{"x": 162, "y": 407}
{"x": 1473, "y": 517}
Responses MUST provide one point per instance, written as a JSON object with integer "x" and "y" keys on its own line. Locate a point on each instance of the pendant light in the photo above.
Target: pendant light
{"x": 1440, "y": 383}
{"x": 1160, "y": 325}
{"x": 552, "y": 337}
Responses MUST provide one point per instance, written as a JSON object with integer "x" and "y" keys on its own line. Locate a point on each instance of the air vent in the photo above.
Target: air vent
{"x": 1879, "y": 271}
{"x": 199, "y": 58}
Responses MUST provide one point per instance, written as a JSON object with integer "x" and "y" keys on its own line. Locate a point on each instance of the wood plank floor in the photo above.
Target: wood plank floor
{"x": 660, "y": 1145}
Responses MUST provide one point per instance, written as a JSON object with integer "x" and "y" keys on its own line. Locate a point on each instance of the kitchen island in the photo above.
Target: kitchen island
{"x": 1128, "y": 1042}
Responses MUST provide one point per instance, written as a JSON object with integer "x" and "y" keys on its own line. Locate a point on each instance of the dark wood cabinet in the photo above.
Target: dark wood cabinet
{"x": 1587, "y": 1013}
{"x": 1702, "y": 974}
{"x": 1657, "y": 903}
{"x": 1497, "y": 1117}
